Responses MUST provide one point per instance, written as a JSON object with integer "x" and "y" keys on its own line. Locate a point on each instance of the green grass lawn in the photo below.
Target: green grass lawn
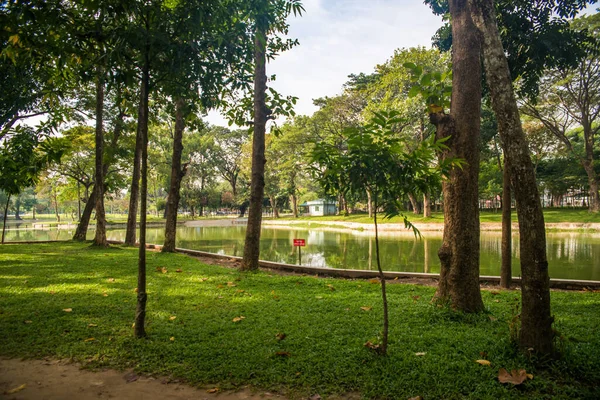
{"x": 551, "y": 215}
{"x": 192, "y": 335}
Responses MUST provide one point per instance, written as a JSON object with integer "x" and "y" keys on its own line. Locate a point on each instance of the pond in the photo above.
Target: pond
{"x": 571, "y": 255}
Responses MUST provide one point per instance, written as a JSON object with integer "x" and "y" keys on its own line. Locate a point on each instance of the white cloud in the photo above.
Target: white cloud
{"x": 338, "y": 38}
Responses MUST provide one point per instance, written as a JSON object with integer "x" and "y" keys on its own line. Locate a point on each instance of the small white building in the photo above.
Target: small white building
{"x": 321, "y": 207}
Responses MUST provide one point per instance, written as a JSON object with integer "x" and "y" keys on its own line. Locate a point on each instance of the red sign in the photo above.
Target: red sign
{"x": 299, "y": 242}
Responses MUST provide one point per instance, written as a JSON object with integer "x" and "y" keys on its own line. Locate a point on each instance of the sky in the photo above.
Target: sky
{"x": 341, "y": 37}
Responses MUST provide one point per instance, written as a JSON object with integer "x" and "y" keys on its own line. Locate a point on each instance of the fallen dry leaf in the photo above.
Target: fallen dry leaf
{"x": 213, "y": 390}
{"x": 420, "y": 353}
{"x": 331, "y": 287}
{"x": 105, "y": 294}
{"x": 162, "y": 269}
{"x": 494, "y": 292}
{"x": 366, "y": 308}
{"x": 203, "y": 279}
{"x": 283, "y": 354}
{"x": 371, "y": 346}
{"x": 238, "y": 319}
{"x": 52, "y": 292}
{"x": 515, "y": 377}
{"x": 416, "y": 398}
{"x": 17, "y": 389}
{"x": 374, "y": 281}
{"x": 318, "y": 297}
{"x": 89, "y": 339}
{"x": 240, "y": 291}
{"x": 67, "y": 309}
{"x": 415, "y": 298}
{"x": 135, "y": 290}
{"x": 280, "y": 336}
{"x": 231, "y": 284}
{"x": 220, "y": 286}
{"x": 172, "y": 338}
{"x": 178, "y": 270}
{"x": 483, "y": 362}
{"x": 92, "y": 325}
{"x": 315, "y": 397}
{"x": 496, "y": 301}
{"x": 493, "y": 318}
{"x": 111, "y": 280}
{"x": 27, "y": 322}
{"x": 172, "y": 318}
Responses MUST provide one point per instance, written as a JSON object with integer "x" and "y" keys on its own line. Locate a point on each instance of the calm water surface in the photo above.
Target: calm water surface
{"x": 571, "y": 255}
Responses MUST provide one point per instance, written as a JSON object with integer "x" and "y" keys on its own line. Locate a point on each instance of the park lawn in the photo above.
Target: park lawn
{"x": 193, "y": 336}
{"x": 551, "y": 215}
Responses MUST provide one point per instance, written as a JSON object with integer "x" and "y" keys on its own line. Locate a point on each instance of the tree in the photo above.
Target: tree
{"x": 268, "y": 17}
{"x": 23, "y": 156}
{"x": 536, "y": 321}
{"x": 377, "y": 161}
{"x": 570, "y": 98}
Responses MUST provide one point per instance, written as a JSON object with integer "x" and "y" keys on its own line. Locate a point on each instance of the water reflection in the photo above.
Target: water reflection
{"x": 571, "y": 255}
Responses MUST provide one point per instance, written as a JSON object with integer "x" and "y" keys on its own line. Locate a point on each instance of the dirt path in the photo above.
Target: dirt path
{"x": 59, "y": 380}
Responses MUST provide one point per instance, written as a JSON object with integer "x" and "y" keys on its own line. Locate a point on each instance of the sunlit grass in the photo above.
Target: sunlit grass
{"x": 322, "y": 319}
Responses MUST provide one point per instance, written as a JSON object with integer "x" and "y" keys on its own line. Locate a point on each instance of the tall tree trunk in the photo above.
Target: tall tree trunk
{"x": 426, "y": 205}
{"x": 135, "y": 176}
{"x": 536, "y": 321}
{"x": 273, "y": 202}
{"x": 369, "y": 204}
{"x": 384, "y": 342}
{"x": 506, "y": 267}
{"x": 294, "y": 201}
{"x": 4, "y": 217}
{"x": 257, "y": 186}
{"x": 594, "y": 184}
{"x": 177, "y": 174}
{"x": 459, "y": 254}
{"x": 142, "y": 296}
{"x": 84, "y": 221}
{"x": 414, "y": 203}
{"x": 55, "y": 198}
{"x": 78, "y": 201}
{"x": 100, "y": 237}
{"x": 18, "y": 208}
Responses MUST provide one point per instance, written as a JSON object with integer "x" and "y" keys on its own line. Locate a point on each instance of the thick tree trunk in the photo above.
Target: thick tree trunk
{"x": 84, "y": 221}
{"x": 369, "y": 204}
{"x": 177, "y": 174}
{"x": 414, "y": 203}
{"x": 100, "y": 237}
{"x": 257, "y": 186}
{"x": 135, "y": 177}
{"x": 4, "y": 217}
{"x": 426, "y": 205}
{"x": 536, "y": 320}
{"x": 459, "y": 254}
{"x": 506, "y": 267}
{"x": 142, "y": 296}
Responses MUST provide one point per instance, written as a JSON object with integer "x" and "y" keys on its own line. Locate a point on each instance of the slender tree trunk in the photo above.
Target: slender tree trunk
{"x": 294, "y": 201}
{"x": 5, "y": 217}
{"x": 84, "y": 221}
{"x": 506, "y": 267}
{"x": 536, "y": 320}
{"x": 257, "y": 186}
{"x": 100, "y": 237}
{"x": 594, "y": 184}
{"x": 384, "y": 342}
{"x": 459, "y": 254}
{"x": 78, "y": 201}
{"x": 426, "y": 205}
{"x": 414, "y": 203}
{"x": 273, "y": 202}
{"x": 369, "y": 204}
{"x": 135, "y": 177}
{"x": 142, "y": 296}
{"x": 55, "y": 198}
{"x": 18, "y": 208}
{"x": 177, "y": 174}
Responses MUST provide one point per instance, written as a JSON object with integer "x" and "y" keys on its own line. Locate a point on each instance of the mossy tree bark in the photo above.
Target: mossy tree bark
{"x": 459, "y": 254}
{"x": 536, "y": 320}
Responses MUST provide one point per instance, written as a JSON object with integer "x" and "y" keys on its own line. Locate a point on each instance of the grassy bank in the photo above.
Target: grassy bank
{"x": 551, "y": 215}
{"x": 192, "y": 333}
